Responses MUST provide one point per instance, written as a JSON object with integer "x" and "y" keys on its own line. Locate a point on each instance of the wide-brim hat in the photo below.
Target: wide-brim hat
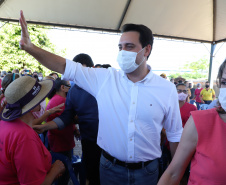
{"x": 179, "y": 78}
{"x": 23, "y": 95}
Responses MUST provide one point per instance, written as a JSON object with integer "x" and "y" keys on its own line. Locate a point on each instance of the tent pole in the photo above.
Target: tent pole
{"x": 213, "y": 46}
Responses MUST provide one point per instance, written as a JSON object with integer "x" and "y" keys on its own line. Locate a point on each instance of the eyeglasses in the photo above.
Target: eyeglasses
{"x": 180, "y": 91}
{"x": 68, "y": 86}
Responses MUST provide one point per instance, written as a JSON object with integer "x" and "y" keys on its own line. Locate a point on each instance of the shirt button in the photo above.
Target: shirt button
{"x": 130, "y": 157}
{"x": 131, "y": 139}
{"x": 131, "y": 121}
{"x": 133, "y": 102}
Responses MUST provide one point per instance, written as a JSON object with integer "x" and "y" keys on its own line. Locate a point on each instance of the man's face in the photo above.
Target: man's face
{"x": 208, "y": 84}
{"x": 129, "y": 41}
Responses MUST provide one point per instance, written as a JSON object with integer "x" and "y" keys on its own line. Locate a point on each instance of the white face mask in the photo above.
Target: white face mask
{"x": 127, "y": 60}
{"x": 40, "y": 78}
{"x": 222, "y": 98}
{"x": 182, "y": 96}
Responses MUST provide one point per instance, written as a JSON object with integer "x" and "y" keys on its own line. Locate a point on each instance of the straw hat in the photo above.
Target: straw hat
{"x": 179, "y": 78}
{"x": 23, "y": 95}
{"x": 163, "y": 75}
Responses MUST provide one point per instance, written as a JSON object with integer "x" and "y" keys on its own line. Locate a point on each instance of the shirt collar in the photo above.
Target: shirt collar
{"x": 144, "y": 81}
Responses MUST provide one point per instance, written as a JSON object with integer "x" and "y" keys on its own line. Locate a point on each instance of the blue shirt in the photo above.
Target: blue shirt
{"x": 84, "y": 105}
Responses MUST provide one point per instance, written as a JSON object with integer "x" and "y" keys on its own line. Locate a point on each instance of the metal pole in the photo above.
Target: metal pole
{"x": 213, "y": 46}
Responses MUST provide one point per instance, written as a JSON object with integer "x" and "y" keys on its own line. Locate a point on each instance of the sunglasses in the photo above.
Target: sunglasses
{"x": 68, "y": 86}
{"x": 180, "y": 91}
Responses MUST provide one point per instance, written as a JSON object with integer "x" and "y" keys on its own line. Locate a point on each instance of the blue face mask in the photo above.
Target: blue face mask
{"x": 127, "y": 60}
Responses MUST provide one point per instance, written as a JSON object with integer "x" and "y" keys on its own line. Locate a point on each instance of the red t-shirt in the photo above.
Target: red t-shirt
{"x": 185, "y": 112}
{"x": 23, "y": 157}
{"x": 60, "y": 140}
{"x": 197, "y": 93}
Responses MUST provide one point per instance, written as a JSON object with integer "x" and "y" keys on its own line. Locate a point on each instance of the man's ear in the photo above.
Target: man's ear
{"x": 62, "y": 87}
{"x": 147, "y": 50}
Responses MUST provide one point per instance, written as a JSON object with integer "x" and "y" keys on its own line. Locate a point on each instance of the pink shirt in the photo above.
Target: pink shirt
{"x": 23, "y": 157}
{"x": 60, "y": 140}
{"x": 197, "y": 93}
{"x": 208, "y": 163}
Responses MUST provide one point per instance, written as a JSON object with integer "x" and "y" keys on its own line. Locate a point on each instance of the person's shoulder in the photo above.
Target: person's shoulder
{"x": 191, "y": 107}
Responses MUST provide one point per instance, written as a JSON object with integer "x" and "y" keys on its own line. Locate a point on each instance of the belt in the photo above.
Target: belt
{"x": 132, "y": 166}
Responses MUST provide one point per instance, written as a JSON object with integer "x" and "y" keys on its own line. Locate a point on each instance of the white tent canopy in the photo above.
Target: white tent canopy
{"x": 195, "y": 20}
{"x": 198, "y": 20}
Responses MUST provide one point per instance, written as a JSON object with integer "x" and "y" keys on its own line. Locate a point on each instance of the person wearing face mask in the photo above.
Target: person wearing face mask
{"x": 185, "y": 108}
{"x": 60, "y": 141}
{"x": 202, "y": 143}
{"x": 207, "y": 95}
{"x": 192, "y": 90}
{"x": 197, "y": 95}
{"x": 40, "y": 77}
{"x": 134, "y": 105}
{"x": 185, "y": 111}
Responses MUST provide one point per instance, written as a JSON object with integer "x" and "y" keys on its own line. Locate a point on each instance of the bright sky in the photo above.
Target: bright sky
{"x": 103, "y": 48}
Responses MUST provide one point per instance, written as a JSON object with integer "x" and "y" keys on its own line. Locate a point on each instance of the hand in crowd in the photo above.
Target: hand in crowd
{"x": 58, "y": 168}
{"x": 3, "y": 103}
{"x": 55, "y": 109}
{"x": 39, "y": 128}
{"x": 25, "y": 41}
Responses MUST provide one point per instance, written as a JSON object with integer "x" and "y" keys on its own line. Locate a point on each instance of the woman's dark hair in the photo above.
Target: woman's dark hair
{"x": 220, "y": 110}
{"x": 180, "y": 84}
{"x": 8, "y": 79}
{"x": 146, "y": 36}
{"x": 57, "y": 85}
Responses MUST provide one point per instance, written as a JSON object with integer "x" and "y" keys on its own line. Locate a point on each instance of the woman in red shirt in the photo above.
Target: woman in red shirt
{"x": 202, "y": 143}
{"x": 185, "y": 108}
{"x": 197, "y": 95}
{"x": 23, "y": 157}
{"x": 60, "y": 141}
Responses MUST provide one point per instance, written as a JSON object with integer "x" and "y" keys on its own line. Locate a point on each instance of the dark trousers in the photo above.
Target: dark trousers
{"x": 207, "y": 102}
{"x": 114, "y": 174}
{"x": 91, "y": 159}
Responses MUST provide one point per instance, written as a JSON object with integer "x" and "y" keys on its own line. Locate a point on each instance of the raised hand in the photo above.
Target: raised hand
{"x": 25, "y": 42}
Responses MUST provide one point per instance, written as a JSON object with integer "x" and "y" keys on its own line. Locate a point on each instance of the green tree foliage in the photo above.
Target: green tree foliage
{"x": 199, "y": 69}
{"x": 12, "y": 57}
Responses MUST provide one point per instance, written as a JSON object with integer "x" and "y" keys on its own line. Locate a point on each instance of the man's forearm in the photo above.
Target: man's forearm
{"x": 49, "y": 60}
{"x": 50, "y": 126}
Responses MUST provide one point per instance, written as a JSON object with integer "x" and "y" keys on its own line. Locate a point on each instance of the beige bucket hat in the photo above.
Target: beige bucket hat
{"x": 23, "y": 95}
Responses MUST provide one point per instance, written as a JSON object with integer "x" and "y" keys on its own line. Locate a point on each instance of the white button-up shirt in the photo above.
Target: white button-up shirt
{"x": 131, "y": 115}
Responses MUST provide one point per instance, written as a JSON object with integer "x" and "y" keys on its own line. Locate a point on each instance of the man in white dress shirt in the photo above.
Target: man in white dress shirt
{"x": 134, "y": 105}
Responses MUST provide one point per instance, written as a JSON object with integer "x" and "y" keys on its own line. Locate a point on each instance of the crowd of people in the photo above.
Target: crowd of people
{"x": 136, "y": 127}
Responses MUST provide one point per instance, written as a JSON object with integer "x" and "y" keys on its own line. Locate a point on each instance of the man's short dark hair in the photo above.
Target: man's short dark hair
{"x": 207, "y": 82}
{"x": 84, "y": 59}
{"x": 106, "y": 66}
{"x": 146, "y": 36}
{"x": 98, "y": 65}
